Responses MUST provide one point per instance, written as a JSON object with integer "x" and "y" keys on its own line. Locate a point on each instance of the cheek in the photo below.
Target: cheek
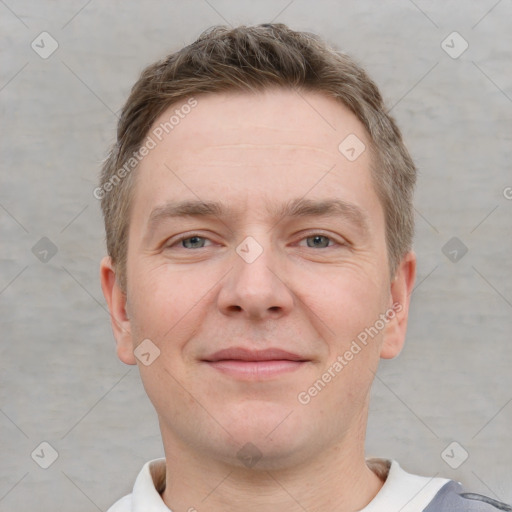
{"x": 349, "y": 307}
{"x": 166, "y": 303}
{"x": 349, "y": 295}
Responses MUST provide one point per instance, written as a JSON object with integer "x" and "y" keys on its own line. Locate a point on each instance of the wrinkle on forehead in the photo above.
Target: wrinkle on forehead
{"x": 245, "y": 145}
{"x": 250, "y": 153}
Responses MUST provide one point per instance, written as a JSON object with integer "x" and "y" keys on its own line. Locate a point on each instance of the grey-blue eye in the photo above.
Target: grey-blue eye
{"x": 318, "y": 238}
{"x": 197, "y": 242}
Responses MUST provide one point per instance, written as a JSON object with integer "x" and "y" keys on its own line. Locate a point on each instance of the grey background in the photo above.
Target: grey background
{"x": 60, "y": 379}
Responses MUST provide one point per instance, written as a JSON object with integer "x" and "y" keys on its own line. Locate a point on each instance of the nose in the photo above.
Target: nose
{"x": 256, "y": 287}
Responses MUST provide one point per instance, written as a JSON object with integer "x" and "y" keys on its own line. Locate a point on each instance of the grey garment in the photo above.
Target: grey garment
{"x": 452, "y": 498}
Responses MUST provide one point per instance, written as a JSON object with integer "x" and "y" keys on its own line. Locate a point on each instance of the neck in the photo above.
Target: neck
{"x": 337, "y": 479}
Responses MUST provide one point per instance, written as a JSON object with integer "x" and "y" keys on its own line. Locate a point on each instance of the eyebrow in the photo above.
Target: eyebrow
{"x": 295, "y": 208}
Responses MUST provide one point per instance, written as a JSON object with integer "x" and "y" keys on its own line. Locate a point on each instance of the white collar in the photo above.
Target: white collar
{"x": 404, "y": 492}
{"x": 401, "y": 491}
{"x": 148, "y": 485}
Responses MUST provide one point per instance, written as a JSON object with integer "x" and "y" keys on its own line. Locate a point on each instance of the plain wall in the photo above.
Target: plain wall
{"x": 60, "y": 379}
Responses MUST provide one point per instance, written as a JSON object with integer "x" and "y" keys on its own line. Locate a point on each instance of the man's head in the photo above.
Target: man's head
{"x": 246, "y": 229}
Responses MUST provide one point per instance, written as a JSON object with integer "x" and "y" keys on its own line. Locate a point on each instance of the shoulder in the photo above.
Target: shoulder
{"x": 122, "y": 505}
{"x": 407, "y": 492}
{"x": 401, "y": 490}
{"x": 452, "y": 498}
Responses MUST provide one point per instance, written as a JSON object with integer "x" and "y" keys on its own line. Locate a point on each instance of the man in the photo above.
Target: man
{"x": 259, "y": 220}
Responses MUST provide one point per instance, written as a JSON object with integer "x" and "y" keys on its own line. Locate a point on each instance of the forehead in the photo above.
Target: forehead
{"x": 253, "y": 149}
{"x": 311, "y": 119}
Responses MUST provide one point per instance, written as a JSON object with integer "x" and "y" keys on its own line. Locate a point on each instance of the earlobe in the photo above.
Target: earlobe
{"x": 401, "y": 288}
{"x": 116, "y": 301}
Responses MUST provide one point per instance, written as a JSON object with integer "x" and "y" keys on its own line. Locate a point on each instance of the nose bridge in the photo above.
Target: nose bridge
{"x": 254, "y": 285}
{"x": 255, "y": 259}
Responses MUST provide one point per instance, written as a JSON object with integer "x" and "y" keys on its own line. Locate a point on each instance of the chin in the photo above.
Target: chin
{"x": 271, "y": 441}
{"x": 262, "y": 454}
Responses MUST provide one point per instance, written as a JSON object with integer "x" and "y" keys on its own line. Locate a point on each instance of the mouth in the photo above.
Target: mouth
{"x": 247, "y": 364}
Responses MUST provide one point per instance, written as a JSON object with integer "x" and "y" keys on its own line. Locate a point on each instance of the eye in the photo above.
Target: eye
{"x": 318, "y": 240}
{"x": 190, "y": 242}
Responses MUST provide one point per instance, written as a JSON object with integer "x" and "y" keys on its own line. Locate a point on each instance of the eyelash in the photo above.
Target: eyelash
{"x": 309, "y": 235}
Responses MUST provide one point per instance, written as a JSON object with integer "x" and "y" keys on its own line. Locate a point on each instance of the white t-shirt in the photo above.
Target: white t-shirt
{"x": 401, "y": 491}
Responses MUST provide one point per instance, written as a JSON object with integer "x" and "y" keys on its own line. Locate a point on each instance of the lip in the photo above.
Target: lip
{"x": 249, "y": 364}
{"x": 244, "y": 354}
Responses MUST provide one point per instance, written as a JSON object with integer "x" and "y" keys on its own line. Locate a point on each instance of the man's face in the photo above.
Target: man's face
{"x": 306, "y": 284}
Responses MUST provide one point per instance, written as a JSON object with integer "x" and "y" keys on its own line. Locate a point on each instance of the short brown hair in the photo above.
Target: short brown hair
{"x": 255, "y": 58}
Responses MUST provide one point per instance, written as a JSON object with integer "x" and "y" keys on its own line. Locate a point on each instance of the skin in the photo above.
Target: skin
{"x": 307, "y": 295}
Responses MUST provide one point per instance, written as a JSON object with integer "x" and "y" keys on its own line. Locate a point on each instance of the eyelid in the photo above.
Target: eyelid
{"x": 336, "y": 239}
{"x": 185, "y": 236}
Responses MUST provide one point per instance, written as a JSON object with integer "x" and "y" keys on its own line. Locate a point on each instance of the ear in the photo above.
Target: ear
{"x": 401, "y": 288}
{"x": 116, "y": 300}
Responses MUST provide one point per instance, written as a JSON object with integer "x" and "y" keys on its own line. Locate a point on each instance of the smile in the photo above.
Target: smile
{"x": 249, "y": 364}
